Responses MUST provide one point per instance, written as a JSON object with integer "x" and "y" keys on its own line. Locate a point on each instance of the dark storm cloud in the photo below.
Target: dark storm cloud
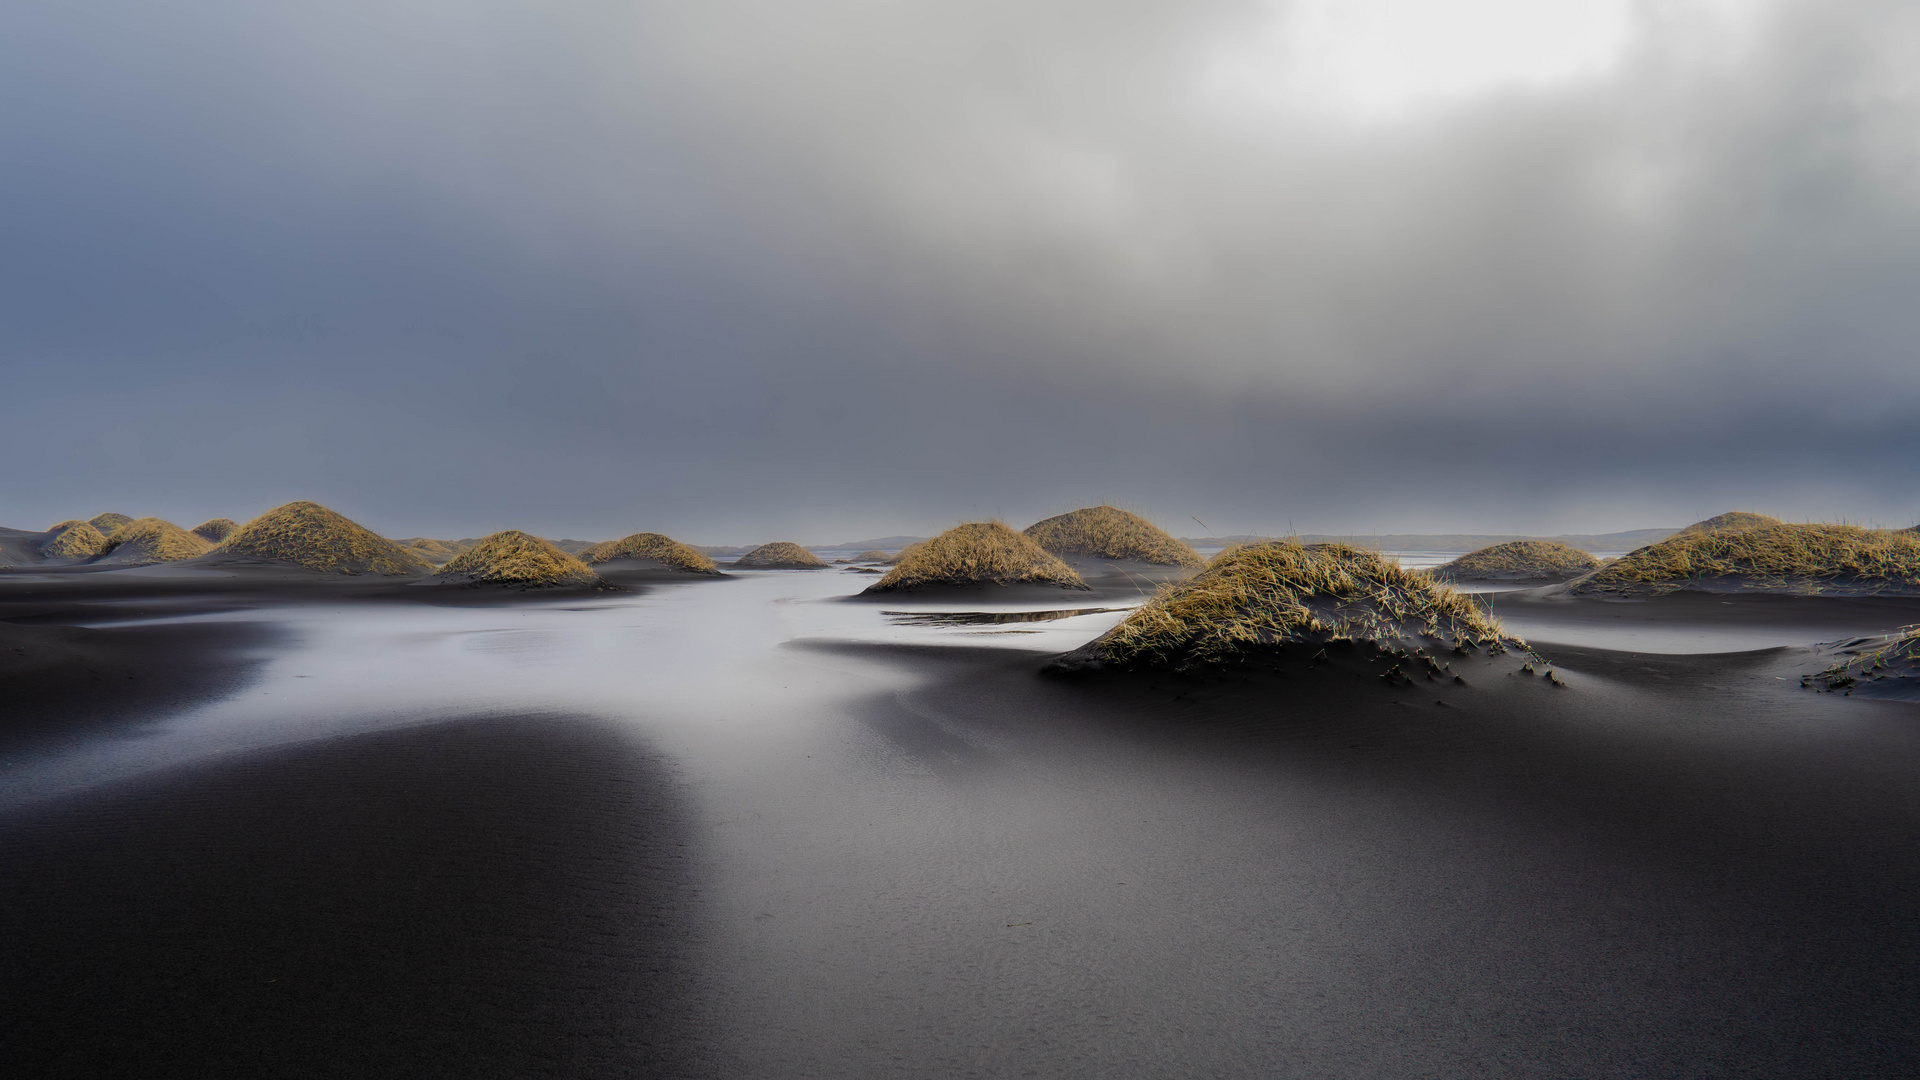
{"x": 732, "y": 268}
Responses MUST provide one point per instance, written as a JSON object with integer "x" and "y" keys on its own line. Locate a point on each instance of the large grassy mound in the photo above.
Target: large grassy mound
{"x": 107, "y": 523}
{"x": 978, "y": 553}
{"x": 1104, "y": 532}
{"x": 1770, "y": 558}
{"x": 1731, "y": 521}
{"x": 664, "y": 550}
{"x": 151, "y": 540}
{"x": 518, "y": 559}
{"x": 73, "y": 540}
{"x": 780, "y": 555}
{"x": 1258, "y": 602}
{"x": 216, "y": 529}
{"x": 310, "y": 535}
{"x": 1519, "y": 560}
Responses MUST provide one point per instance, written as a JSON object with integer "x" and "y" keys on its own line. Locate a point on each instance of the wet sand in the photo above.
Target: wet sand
{"x": 739, "y": 828}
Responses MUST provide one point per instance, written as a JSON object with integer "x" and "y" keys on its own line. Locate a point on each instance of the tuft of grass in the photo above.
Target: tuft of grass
{"x": 73, "y": 540}
{"x": 107, "y": 523}
{"x": 151, "y": 540}
{"x": 216, "y": 530}
{"x": 1731, "y": 521}
{"x": 1775, "y": 558}
{"x": 1105, "y": 532}
{"x": 661, "y": 549}
{"x": 519, "y": 559}
{"x": 310, "y": 535}
{"x": 1897, "y": 658}
{"x": 977, "y": 553}
{"x": 780, "y": 555}
{"x": 1269, "y": 597}
{"x": 1518, "y": 560}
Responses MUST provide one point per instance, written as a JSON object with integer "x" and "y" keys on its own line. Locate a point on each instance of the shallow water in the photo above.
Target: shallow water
{"x": 946, "y": 867}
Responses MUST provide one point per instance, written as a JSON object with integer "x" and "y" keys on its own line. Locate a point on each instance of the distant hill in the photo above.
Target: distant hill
{"x": 885, "y": 543}
{"x": 1462, "y": 542}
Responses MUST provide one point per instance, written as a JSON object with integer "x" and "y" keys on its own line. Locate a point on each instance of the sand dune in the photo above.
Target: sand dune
{"x": 1104, "y": 532}
{"x": 216, "y": 529}
{"x": 518, "y": 560}
{"x": 73, "y": 540}
{"x": 1519, "y": 560}
{"x": 151, "y": 540}
{"x": 1830, "y": 559}
{"x": 1731, "y": 521}
{"x": 780, "y": 555}
{"x": 984, "y": 553}
{"x": 309, "y": 535}
{"x": 663, "y": 551}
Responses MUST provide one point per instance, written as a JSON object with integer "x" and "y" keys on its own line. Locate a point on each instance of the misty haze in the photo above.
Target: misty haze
{"x": 1236, "y": 538}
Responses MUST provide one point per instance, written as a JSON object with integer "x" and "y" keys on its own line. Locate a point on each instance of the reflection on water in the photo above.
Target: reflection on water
{"x": 978, "y": 618}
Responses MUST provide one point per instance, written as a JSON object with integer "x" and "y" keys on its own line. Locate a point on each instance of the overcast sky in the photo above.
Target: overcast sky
{"x": 741, "y": 269}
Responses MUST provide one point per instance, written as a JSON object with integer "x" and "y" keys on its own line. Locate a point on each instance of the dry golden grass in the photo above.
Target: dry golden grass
{"x": 74, "y": 540}
{"x": 1731, "y": 521}
{"x": 151, "y": 540}
{"x": 780, "y": 555}
{"x": 1518, "y": 560}
{"x": 661, "y": 549}
{"x": 977, "y": 553}
{"x": 107, "y": 523}
{"x": 1264, "y": 597}
{"x": 310, "y": 535}
{"x": 216, "y": 530}
{"x": 516, "y": 558}
{"x": 1104, "y": 532}
{"x": 874, "y": 555}
{"x": 1779, "y": 558}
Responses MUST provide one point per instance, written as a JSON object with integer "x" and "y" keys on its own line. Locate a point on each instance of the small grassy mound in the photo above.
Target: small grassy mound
{"x": 1104, "y": 532}
{"x": 1731, "y": 521}
{"x": 107, "y": 523}
{"x": 780, "y": 555}
{"x": 310, "y": 535}
{"x": 1519, "y": 560}
{"x": 216, "y": 530}
{"x": 518, "y": 559}
{"x": 1769, "y": 558}
{"x": 1259, "y": 601}
{"x": 978, "y": 553}
{"x": 435, "y": 552}
{"x": 876, "y": 555}
{"x": 73, "y": 540}
{"x": 664, "y": 550}
{"x": 151, "y": 540}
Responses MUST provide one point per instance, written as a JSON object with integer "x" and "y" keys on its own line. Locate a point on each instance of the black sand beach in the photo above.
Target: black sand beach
{"x": 740, "y": 829}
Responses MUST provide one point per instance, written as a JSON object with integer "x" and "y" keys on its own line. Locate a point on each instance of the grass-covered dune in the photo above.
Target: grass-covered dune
{"x": 1731, "y": 521}
{"x": 1277, "y": 603}
{"x": 108, "y": 522}
{"x": 875, "y": 555}
{"x": 780, "y": 555}
{"x": 151, "y": 540}
{"x": 1832, "y": 559}
{"x": 652, "y": 547}
{"x": 518, "y": 560}
{"x": 216, "y": 530}
{"x": 977, "y": 553}
{"x": 1105, "y": 532}
{"x": 309, "y": 535}
{"x": 1519, "y": 560}
{"x": 73, "y": 541}
{"x": 433, "y": 551}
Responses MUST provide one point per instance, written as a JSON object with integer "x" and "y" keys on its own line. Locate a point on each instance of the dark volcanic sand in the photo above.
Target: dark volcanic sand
{"x": 738, "y": 832}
